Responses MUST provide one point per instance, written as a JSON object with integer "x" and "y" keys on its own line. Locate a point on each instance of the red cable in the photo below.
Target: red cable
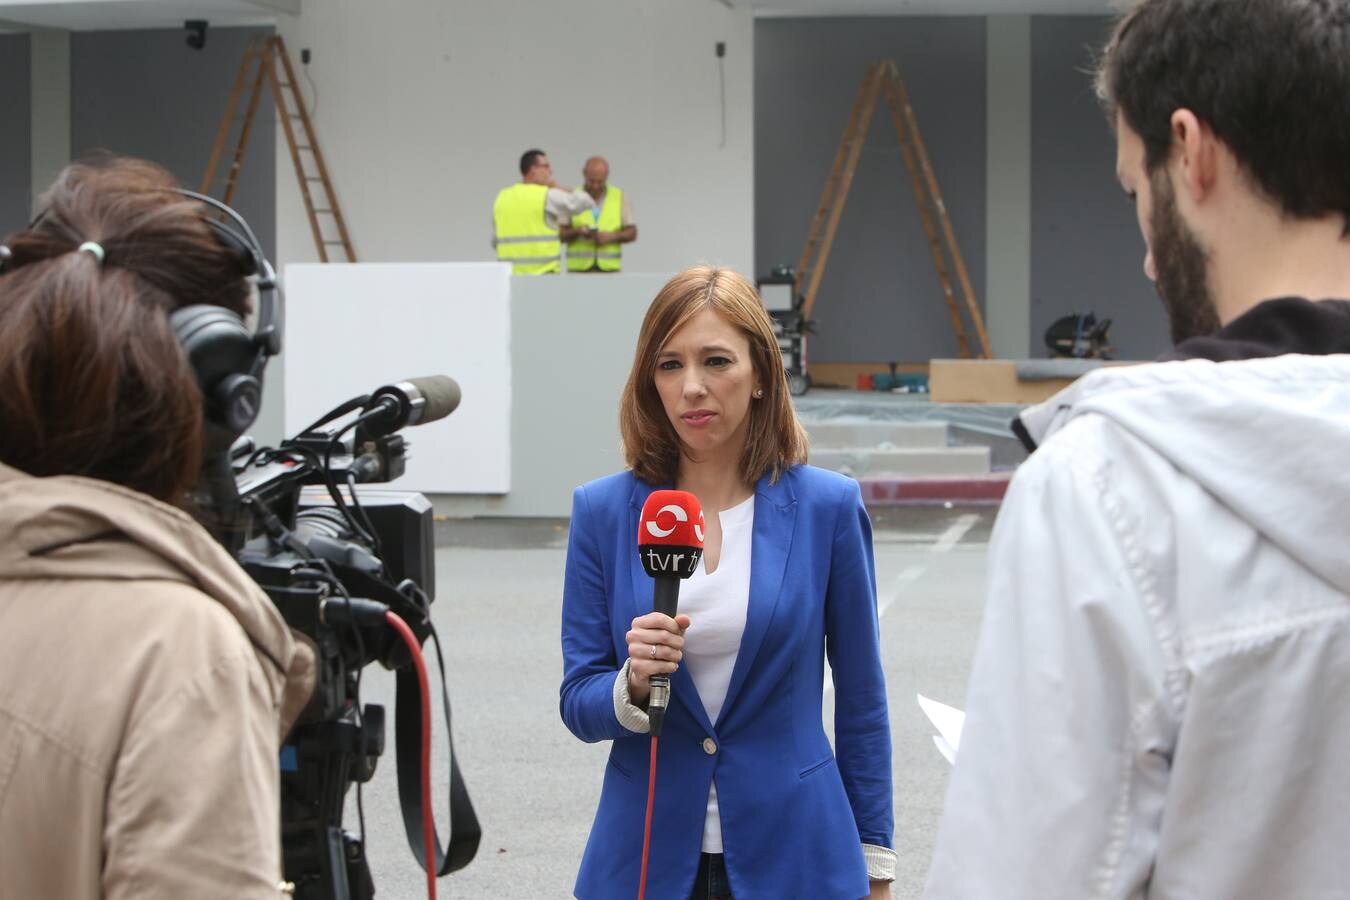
{"x": 647, "y": 827}
{"x": 428, "y": 825}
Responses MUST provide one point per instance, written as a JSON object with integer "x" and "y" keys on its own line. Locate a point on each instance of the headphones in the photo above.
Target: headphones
{"x": 227, "y": 359}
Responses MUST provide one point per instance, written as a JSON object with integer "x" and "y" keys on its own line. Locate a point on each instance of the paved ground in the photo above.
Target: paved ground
{"x": 535, "y": 786}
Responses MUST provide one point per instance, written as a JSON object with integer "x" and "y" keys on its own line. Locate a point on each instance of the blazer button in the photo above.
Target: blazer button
{"x": 709, "y": 746}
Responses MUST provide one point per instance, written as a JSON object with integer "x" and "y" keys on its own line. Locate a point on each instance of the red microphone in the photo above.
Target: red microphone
{"x": 670, "y": 544}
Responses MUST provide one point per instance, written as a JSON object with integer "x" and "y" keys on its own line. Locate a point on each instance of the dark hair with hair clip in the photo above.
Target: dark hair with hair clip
{"x": 96, "y": 383}
{"x": 1271, "y": 77}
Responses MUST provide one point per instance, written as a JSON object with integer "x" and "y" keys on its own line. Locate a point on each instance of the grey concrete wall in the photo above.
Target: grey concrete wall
{"x": 1008, "y": 224}
{"x": 426, "y": 105}
{"x": 880, "y": 299}
{"x": 1086, "y": 251}
{"x": 146, "y": 93}
{"x": 49, "y": 107}
{"x": 15, "y": 113}
{"x": 572, "y": 342}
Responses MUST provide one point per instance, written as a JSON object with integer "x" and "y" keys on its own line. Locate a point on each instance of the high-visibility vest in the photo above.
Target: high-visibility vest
{"x": 584, "y": 255}
{"x": 523, "y": 239}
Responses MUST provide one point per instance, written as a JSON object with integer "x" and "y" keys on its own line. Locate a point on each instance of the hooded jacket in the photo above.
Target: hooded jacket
{"x": 145, "y": 684}
{"x": 1158, "y": 702}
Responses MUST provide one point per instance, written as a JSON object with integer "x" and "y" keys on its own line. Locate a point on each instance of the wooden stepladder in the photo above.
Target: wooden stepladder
{"x": 260, "y": 63}
{"x": 883, "y": 81}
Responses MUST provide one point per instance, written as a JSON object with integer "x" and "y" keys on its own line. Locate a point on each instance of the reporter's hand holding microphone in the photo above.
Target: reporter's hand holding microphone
{"x": 655, "y": 647}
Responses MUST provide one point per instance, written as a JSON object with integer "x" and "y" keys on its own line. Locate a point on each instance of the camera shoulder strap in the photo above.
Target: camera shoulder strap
{"x": 464, "y": 830}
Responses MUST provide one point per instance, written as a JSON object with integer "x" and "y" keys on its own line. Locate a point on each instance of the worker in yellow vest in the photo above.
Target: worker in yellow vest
{"x": 596, "y": 236}
{"x": 526, "y": 217}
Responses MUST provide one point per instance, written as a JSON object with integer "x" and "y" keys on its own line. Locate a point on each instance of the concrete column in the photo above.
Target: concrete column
{"x": 49, "y": 62}
{"x": 1008, "y": 241}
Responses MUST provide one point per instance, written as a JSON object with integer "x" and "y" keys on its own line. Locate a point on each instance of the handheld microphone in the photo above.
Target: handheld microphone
{"x": 416, "y": 401}
{"x": 670, "y": 544}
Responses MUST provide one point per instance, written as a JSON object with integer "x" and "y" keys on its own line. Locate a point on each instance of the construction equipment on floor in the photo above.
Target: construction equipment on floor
{"x": 261, "y": 60}
{"x": 1080, "y": 336}
{"x": 777, "y": 291}
{"x": 883, "y": 80}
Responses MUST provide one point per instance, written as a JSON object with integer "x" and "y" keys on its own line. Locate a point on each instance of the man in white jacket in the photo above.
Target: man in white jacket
{"x": 1158, "y": 706}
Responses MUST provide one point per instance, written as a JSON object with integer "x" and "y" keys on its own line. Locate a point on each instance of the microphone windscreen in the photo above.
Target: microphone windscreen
{"x": 441, "y": 393}
{"x": 671, "y": 518}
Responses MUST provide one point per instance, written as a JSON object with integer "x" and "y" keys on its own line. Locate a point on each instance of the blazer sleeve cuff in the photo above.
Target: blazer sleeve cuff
{"x": 630, "y": 716}
{"x": 880, "y": 862}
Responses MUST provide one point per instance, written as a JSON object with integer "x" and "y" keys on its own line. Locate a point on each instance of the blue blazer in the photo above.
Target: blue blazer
{"x": 794, "y": 814}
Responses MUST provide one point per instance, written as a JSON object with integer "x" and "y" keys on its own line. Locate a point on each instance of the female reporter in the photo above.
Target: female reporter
{"x": 750, "y": 799}
{"x": 145, "y": 681}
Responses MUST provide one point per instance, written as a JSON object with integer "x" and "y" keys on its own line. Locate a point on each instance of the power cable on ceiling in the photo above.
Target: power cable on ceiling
{"x": 721, "y": 51}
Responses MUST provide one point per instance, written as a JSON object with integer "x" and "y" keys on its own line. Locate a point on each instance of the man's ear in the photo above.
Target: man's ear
{"x": 1195, "y": 152}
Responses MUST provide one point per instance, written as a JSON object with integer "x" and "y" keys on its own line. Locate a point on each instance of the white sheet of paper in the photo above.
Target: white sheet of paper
{"x": 945, "y": 749}
{"x": 948, "y": 720}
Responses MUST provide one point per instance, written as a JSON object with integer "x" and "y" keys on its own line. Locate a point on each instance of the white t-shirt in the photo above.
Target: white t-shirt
{"x": 717, "y": 604}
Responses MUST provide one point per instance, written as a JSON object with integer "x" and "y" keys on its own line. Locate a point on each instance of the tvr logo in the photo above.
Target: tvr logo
{"x": 659, "y": 561}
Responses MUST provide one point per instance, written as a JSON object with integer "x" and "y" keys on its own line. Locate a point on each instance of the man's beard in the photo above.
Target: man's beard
{"x": 1179, "y": 262}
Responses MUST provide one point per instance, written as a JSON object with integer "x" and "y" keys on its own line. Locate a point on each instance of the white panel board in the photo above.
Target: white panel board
{"x": 353, "y": 327}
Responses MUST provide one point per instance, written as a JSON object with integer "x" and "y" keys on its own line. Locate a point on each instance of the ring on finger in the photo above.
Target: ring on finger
{"x": 653, "y": 646}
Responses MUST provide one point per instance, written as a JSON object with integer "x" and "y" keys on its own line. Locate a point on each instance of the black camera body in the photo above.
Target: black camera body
{"x": 335, "y": 564}
{"x": 403, "y": 520}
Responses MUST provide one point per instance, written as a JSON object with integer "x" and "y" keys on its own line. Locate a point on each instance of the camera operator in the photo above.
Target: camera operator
{"x": 145, "y": 680}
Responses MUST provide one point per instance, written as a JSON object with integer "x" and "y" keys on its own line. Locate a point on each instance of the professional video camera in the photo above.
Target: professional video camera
{"x": 353, "y": 574}
{"x": 336, "y": 565}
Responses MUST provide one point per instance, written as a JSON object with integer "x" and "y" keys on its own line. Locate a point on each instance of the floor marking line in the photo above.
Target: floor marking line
{"x": 907, "y": 575}
{"x": 952, "y": 536}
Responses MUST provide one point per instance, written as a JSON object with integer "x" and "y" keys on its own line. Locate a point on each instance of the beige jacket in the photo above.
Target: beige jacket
{"x": 145, "y": 683}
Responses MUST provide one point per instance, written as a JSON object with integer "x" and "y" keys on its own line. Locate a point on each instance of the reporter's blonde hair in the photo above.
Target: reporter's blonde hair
{"x": 774, "y": 442}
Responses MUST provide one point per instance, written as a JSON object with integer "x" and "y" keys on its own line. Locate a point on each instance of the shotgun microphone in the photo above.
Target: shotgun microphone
{"x": 416, "y": 401}
{"x": 670, "y": 544}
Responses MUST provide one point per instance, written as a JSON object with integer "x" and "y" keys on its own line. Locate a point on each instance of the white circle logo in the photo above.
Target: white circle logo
{"x": 658, "y": 532}
{"x": 698, "y": 527}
